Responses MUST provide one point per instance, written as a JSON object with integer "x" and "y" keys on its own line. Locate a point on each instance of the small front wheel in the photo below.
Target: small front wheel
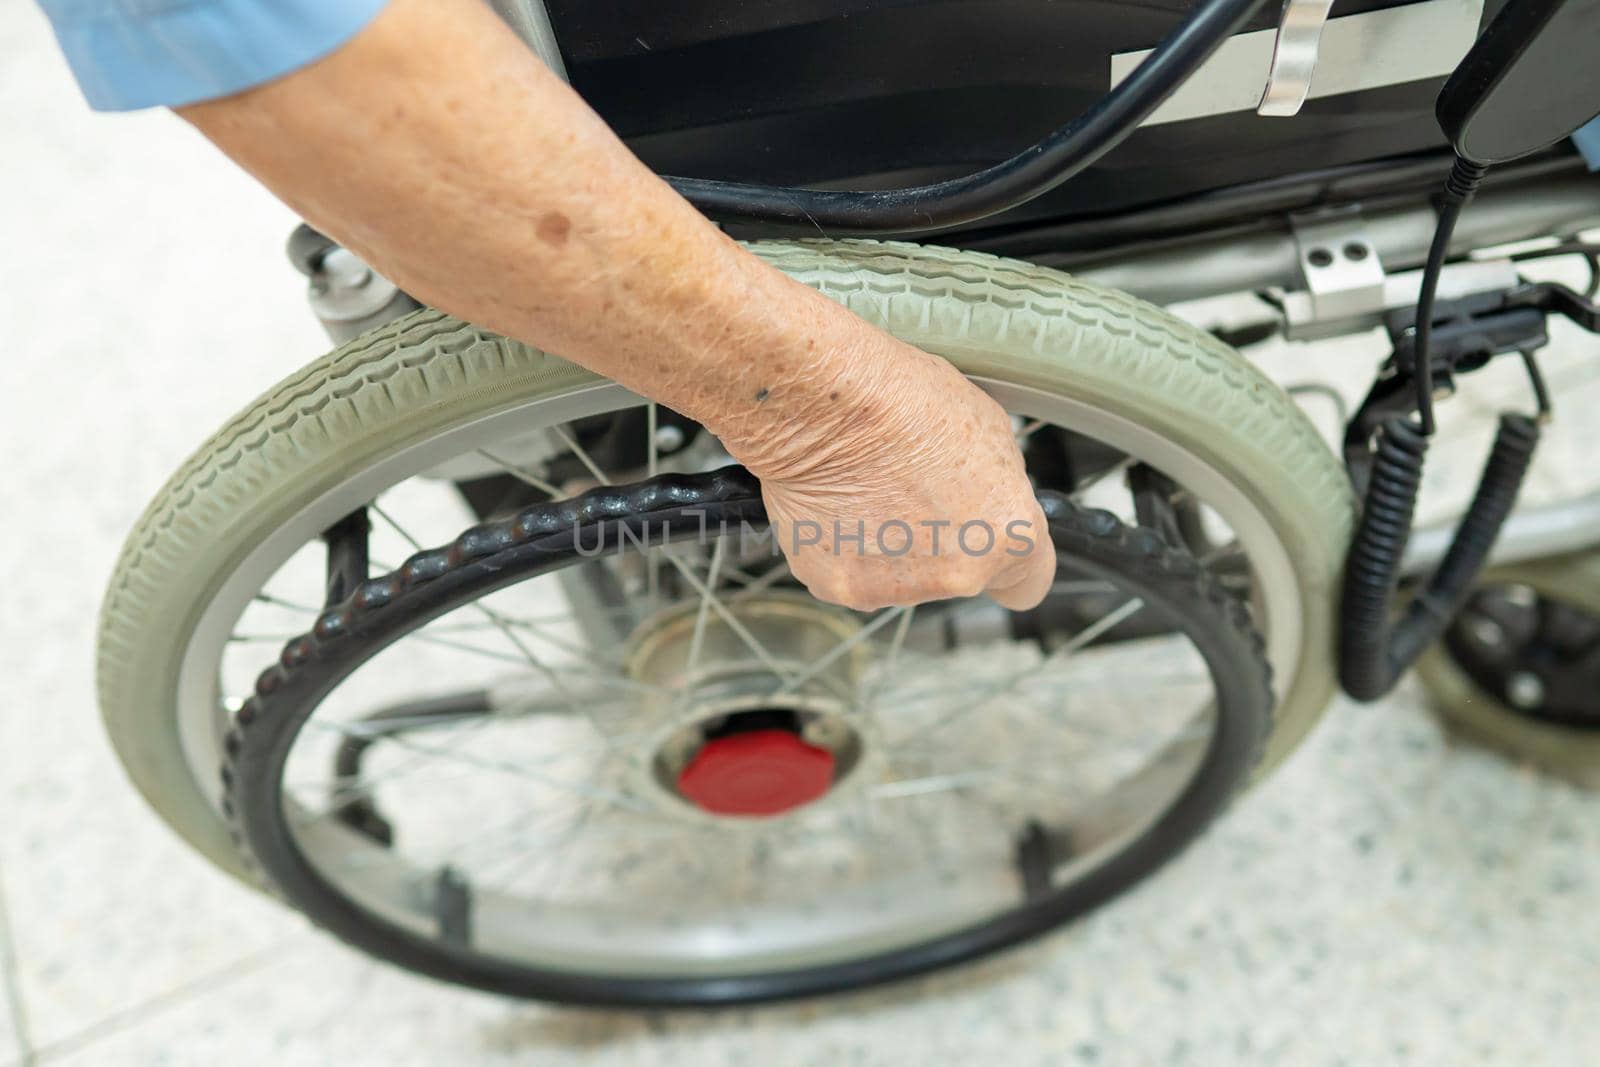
{"x": 1519, "y": 669}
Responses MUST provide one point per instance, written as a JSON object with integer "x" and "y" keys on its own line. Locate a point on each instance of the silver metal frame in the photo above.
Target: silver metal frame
{"x": 1214, "y": 266}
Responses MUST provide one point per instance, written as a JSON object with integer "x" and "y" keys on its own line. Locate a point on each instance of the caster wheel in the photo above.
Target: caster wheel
{"x": 1519, "y": 669}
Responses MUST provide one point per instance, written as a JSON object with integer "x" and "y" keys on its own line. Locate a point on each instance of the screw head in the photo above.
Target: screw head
{"x": 1486, "y": 631}
{"x": 1522, "y": 596}
{"x": 669, "y": 438}
{"x": 1525, "y": 690}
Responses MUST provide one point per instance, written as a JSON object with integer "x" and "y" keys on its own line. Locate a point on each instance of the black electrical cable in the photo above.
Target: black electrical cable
{"x": 1029, "y": 174}
{"x": 1375, "y": 649}
{"x": 1465, "y": 176}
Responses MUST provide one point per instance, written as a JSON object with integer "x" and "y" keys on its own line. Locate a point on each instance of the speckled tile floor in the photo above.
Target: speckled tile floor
{"x": 1388, "y": 898}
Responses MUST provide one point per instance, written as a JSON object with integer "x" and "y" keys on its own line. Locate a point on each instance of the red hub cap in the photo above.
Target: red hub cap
{"x": 758, "y": 772}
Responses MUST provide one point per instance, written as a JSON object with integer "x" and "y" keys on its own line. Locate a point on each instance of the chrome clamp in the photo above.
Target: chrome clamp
{"x": 1294, "y": 56}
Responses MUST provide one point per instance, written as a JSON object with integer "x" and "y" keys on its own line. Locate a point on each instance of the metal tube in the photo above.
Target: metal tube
{"x": 1211, "y": 266}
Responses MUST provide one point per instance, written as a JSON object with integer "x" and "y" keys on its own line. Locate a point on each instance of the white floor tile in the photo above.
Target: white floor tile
{"x": 14, "y": 1044}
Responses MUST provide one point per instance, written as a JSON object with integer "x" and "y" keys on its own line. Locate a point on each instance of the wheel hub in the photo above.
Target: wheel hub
{"x": 1533, "y": 651}
{"x": 758, "y": 705}
{"x": 756, "y": 773}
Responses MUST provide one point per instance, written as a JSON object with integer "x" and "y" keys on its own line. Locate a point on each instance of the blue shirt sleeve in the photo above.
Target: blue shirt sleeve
{"x": 1588, "y": 141}
{"x": 129, "y": 54}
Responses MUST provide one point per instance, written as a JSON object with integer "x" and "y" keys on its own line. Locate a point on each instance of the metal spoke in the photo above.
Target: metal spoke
{"x": 596, "y": 657}
{"x": 762, "y": 583}
{"x": 733, "y": 623}
{"x": 891, "y": 658}
{"x": 698, "y": 636}
{"x": 581, "y": 453}
{"x": 528, "y": 823}
{"x": 245, "y": 639}
{"x": 687, "y": 572}
{"x": 528, "y": 622}
{"x": 531, "y": 622}
{"x": 915, "y": 696}
{"x": 522, "y": 475}
{"x": 342, "y": 793}
{"x": 529, "y": 818}
{"x": 498, "y": 620}
{"x": 598, "y": 677}
{"x": 542, "y": 852}
{"x": 832, "y": 655}
{"x": 939, "y": 783}
{"x": 516, "y": 770}
{"x": 493, "y": 616}
{"x": 1029, "y": 430}
{"x": 1083, "y": 637}
{"x": 385, "y": 729}
{"x": 280, "y": 602}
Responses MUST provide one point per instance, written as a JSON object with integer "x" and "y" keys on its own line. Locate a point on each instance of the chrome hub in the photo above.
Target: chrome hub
{"x": 759, "y": 703}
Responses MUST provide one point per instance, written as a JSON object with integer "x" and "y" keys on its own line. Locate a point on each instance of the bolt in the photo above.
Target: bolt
{"x": 1525, "y": 690}
{"x": 669, "y": 438}
{"x": 822, "y": 732}
{"x": 341, "y": 269}
{"x": 1522, "y": 596}
{"x": 1487, "y": 632}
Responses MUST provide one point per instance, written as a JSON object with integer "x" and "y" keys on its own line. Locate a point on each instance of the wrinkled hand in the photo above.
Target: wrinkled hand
{"x": 905, "y": 486}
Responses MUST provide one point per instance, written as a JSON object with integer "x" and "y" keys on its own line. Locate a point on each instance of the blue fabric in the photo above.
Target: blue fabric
{"x": 129, "y": 54}
{"x": 1588, "y": 141}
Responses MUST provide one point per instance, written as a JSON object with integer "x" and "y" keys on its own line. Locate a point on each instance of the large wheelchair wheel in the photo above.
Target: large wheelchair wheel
{"x": 665, "y": 774}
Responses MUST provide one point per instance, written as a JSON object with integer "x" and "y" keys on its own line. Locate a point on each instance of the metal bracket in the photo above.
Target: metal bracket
{"x": 1340, "y": 266}
{"x": 349, "y": 298}
{"x": 1294, "y": 56}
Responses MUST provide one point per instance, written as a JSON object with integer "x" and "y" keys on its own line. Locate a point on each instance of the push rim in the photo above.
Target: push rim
{"x": 368, "y": 905}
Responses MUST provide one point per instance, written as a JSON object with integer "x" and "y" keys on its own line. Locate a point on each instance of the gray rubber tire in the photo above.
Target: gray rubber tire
{"x": 1564, "y": 751}
{"x": 417, "y": 377}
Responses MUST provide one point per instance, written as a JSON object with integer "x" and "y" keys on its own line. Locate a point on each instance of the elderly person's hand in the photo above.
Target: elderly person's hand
{"x": 903, "y": 485}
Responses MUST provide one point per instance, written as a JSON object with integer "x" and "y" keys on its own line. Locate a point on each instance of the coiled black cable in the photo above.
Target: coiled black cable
{"x": 1375, "y": 651}
{"x": 1036, "y": 170}
{"x": 1373, "y": 654}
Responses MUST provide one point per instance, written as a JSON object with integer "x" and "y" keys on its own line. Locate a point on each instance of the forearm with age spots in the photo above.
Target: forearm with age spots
{"x": 437, "y": 147}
